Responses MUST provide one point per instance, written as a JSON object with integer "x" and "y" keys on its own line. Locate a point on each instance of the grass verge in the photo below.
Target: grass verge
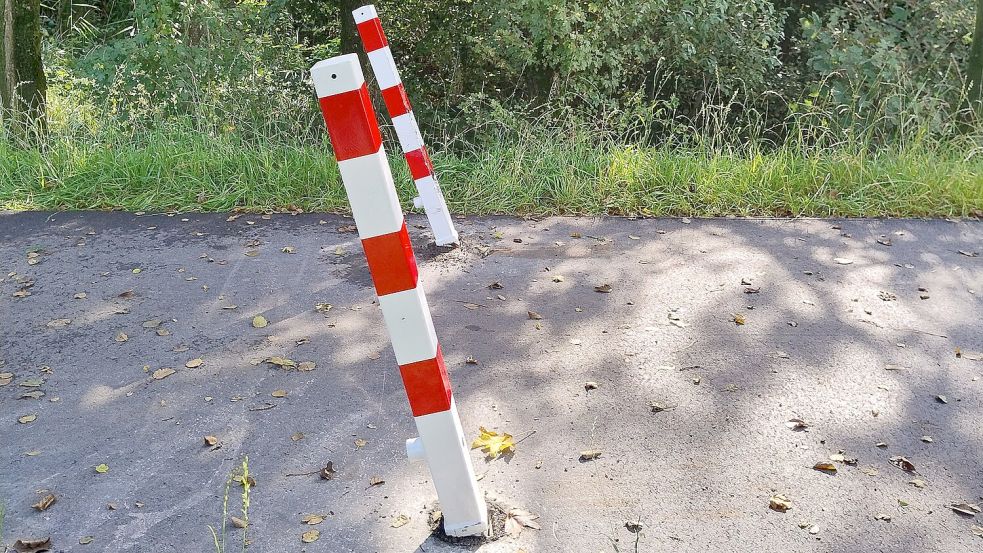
{"x": 187, "y": 171}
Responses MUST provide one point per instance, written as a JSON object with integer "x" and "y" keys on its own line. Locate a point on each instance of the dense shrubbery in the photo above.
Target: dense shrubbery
{"x": 666, "y": 69}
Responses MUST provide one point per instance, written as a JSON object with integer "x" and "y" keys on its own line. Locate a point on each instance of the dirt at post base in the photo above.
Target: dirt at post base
{"x": 496, "y": 526}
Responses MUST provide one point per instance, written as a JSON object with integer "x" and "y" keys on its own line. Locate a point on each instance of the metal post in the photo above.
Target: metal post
{"x": 401, "y": 113}
{"x": 368, "y": 182}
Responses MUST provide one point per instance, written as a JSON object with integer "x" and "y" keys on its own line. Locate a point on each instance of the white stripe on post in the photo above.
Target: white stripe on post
{"x": 371, "y": 192}
{"x": 408, "y": 132}
{"x": 384, "y": 67}
{"x": 410, "y": 327}
{"x": 364, "y": 168}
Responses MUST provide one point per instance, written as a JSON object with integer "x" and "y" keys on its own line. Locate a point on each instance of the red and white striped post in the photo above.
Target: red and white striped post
{"x": 365, "y": 172}
{"x": 410, "y": 140}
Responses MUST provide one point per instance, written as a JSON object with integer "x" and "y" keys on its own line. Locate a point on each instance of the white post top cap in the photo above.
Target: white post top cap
{"x": 365, "y": 13}
{"x": 336, "y": 75}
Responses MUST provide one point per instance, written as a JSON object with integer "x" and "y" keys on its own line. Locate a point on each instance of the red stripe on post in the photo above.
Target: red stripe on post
{"x": 419, "y": 162}
{"x": 427, "y": 385}
{"x": 391, "y": 261}
{"x": 397, "y": 103}
{"x": 351, "y": 123}
{"x": 372, "y": 36}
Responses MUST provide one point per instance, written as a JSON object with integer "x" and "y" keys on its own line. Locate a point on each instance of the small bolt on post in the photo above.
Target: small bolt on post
{"x": 431, "y": 199}
{"x": 368, "y": 182}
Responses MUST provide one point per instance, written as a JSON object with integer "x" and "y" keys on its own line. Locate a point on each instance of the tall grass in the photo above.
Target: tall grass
{"x": 531, "y": 160}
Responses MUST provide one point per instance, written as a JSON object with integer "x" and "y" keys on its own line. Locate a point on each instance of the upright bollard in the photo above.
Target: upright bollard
{"x": 368, "y": 182}
{"x": 410, "y": 140}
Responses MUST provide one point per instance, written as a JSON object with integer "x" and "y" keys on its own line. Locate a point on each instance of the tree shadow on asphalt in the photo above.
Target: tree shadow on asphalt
{"x": 529, "y": 371}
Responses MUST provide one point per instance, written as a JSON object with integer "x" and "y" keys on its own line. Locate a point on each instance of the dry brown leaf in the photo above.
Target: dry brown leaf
{"x": 824, "y": 466}
{"x": 45, "y": 502}
{"x": 360, "y": 443}
{"x": 902, "y": 463}
{"x": 27, "y": 419}
{"x": 534, "y": 316}
{"x": 590, "y": 454}
{"x": 6, "y": 378}
{"x": 32, "y": 545}
{"x": 312, "y": 519}
{"x": 327, "y": 472}
{"x": 968, "y": 509}
{"x": 195, "y": 363}
{"x": 376, "y": 481}
{"x": 121, "y": 337}
{"x": 779, "y": 503}
{"x": 738, "y": 319}
{"x": 882, "y": 516}
{"x": 797, "y": 425}
{"x": 603, "y": 289}
{"x": 517, "y": 519}
{"x": 279, "y": 393}
{"x": 238, "y": 522}
{"x": 590, "y": 385}
{"x": 495, "y": 286}
{"x": 211, "y": 440}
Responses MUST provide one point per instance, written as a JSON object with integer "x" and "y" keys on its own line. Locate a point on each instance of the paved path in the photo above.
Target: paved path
{"x": 818, "y": 340}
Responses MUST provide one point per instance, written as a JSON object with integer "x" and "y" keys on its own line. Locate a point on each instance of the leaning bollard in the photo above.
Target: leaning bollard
{"x": 410, "y": 140}
{"x": 365, "y": 173}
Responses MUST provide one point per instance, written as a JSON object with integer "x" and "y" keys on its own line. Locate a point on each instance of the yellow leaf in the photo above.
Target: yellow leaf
{"x": 195, "y": 363}
{"x": 312, "y": 519}
{"x": 102, "y": 468}
{"x": 26, "y": 419}
{"x": 492, "y": 443}
{"x": 279, "y": 393}
{"x": 310, "y": 536}
{"x": 137, "y": 271}
{"x": 260, "y": 321}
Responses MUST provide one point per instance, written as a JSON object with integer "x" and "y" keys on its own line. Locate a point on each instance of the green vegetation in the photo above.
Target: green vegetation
{"x": 764, "y": 107}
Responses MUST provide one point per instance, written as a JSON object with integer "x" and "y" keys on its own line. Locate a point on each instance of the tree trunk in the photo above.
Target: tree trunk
{"x": 974, "y": 69}
{"x": 23, "y": 87}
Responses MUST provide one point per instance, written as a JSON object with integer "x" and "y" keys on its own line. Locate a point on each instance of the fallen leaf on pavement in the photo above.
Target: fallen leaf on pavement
{"x": 238, "y": 522}
{"x": 279, "y": 393}
{"x": 163, "y": 373}
{"x": 6, "y": 378}
{"x": 360, "y": 443}
{"x": 312, "y": 519}
{"x": 376, "y": 481}
{"x": 30, "y": 545}
{"x": 902, "y": 463}
{"x": 306, "y": 366}
{"x": 260, "y": 321}
{"x": 918, "y": 483}
{"x": 517, "y": 519}
{"x": 121, "y": 337}
{"x": 968, "y": 509}
{"x": 882, "y": 516}
{"x": 86, "y": 540}
{"x": 492, "y": 443}
{"x": 281, "y": 362}
{"x": 824, "y": 466}
{"x": 603, "y": 289}
{"x": 195, "y": 363}
{"x": 27, "y": 419}
{"x": 102, "y": 468}
{"x": 941, "y": 399}
{"x": 310, "y": 536}
{"x": 590, "y": 454}
{"x": 296, "y": 437}
{"x": 59, "y": 323}
{"x": 797, "y": 425}
{"x": 211, "y": 440}
{"x": 45, "y": 502}
{"x": 534, "y": 316}
{"x": 327, "y": 472}
{"x": 779, "y": 503}
{"x": 739, "y": 319}
{"x": 400, "y": 520}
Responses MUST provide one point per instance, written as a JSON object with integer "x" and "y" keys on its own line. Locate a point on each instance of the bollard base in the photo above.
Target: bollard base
{"x": 494, "y": 531}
